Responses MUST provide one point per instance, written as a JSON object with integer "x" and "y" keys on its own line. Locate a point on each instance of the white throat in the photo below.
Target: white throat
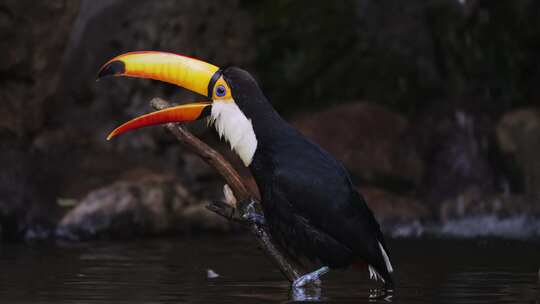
{"x": 231, "y": 123}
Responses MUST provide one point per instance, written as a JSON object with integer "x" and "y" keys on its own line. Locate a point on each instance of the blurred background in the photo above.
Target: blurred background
{"x": 431, "y": 104}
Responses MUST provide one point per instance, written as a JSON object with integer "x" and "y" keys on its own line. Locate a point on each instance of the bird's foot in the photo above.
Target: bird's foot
{"x": 246, "y": 213}
{"x": 256, "y": 218}
{"x": 312, "y": 278}
{"x": 251, "y": 215}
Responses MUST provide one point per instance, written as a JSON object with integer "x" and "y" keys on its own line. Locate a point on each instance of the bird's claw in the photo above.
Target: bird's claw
{"x": 249, "y": 214}
{"x": 312, "y": 278}
{"x": 256, "y": 218}
{"x": 252, "y": 215}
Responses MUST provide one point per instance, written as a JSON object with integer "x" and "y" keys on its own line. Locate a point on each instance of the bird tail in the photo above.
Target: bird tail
{"x": 384, "y": 270}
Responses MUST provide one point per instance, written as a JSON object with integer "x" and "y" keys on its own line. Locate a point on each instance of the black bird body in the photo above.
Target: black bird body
{"x": 309, "y": 202}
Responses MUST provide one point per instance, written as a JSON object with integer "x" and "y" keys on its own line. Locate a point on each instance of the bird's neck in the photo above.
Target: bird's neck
{"x": 274, "y": 135}
{"x": 262, "y": 132}
{"x": 232, "y": 125}
{"x": 268, "y": 125}
{"x": 262, "y": 128}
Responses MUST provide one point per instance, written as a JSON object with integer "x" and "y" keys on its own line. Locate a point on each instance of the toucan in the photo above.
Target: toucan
{"x": 310, "y": 205}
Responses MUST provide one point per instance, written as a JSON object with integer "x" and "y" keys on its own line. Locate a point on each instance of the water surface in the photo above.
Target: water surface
{"x": 175, "y": 271}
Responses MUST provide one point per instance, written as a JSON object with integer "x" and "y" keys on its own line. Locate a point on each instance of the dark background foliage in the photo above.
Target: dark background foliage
{"x": 404, "y": 55}
{"x": 431, "y": 104}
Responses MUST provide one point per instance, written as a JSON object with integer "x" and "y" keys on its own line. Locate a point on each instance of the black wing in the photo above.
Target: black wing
{"x": 318, "y": 189}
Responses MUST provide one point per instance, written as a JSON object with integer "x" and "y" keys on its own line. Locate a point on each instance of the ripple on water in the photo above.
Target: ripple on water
{"x": 175, "y": 271}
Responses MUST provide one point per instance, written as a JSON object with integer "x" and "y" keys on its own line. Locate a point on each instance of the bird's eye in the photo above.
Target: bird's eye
{"x": 221, "y": 91}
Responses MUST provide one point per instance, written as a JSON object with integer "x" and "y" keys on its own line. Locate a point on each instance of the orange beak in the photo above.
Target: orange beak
{"x": 186, "y": 72}
{"x": 182, "y": 113}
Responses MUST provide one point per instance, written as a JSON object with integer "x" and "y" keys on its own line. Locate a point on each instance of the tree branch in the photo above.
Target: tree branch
{"x": 246, "y": 199}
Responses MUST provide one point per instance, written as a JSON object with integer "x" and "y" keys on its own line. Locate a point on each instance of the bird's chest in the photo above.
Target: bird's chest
{"x": 290, "y": 178}
{"x": 295, "y": 199}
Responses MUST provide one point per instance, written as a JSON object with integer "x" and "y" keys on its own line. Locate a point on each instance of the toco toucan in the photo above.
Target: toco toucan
{"x": 310, "y": 204}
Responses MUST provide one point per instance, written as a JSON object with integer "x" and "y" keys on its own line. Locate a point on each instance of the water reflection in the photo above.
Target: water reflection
{"x": 312, "y": 294}
{"x": 176, "y": 271}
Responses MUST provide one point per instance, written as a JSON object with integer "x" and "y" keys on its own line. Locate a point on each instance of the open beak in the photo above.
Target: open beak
{"x": 182, "y": 113}
{"x": 186, "y": 72}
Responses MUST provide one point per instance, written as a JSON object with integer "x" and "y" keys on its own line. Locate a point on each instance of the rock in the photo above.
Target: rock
{"x": 457, "y": 147}
{"x": 34, "y": 41}
{"x": 32, "y": 37}
{"x": 27, "y": 195}
{"x": 367, "y": 138}
{"x": 391, "y": 209}
{"x": 475, "y": 204}
{"x": 518, "y": 134}
{"x": 150, "y": 205}
{"x": 197, "y": 218}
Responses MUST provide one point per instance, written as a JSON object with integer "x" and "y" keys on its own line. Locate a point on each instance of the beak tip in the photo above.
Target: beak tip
{"x": 110, "y": 136}
{"x": 112, "y": 68}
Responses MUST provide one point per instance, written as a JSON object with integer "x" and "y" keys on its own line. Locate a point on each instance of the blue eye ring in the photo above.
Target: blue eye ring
{"x": 221, "y": 91}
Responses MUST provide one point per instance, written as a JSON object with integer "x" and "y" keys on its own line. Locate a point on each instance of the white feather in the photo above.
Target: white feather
{"x": 373, "y": 274}
{"x": 231, "y": 123}
{"x": 386, "y": 259}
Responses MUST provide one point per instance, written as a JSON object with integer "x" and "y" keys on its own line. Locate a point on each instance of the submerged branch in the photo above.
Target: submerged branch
{"x": 241, "y": 211}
